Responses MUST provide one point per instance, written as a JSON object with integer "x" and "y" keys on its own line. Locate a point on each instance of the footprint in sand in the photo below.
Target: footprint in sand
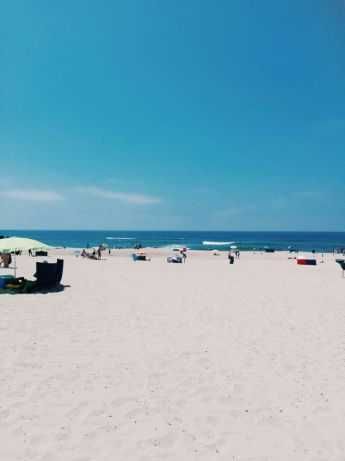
{"x": 77, "y": 411}
{"x": 120, "y": 402}
{"x": 164, "y": 442}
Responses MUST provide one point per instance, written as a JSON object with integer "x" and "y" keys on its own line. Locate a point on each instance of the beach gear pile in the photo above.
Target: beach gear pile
{"x": 48, "y": 278}
{"x": 15, "y": 285}
{"x": 140, "y": 257}
{"x": 175, "y": 259}
{"x": 306, "y": 261}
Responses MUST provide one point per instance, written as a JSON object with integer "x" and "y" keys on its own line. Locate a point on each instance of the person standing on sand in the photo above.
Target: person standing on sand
{"x": 184, "y": 254}
{"x": 231, "y": 258}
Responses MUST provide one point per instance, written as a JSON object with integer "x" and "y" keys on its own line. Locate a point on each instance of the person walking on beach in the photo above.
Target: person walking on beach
{"x": 184, "y": 254}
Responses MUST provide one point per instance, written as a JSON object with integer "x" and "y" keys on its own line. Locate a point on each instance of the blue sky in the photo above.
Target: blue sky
{"x": 142, "y": 114}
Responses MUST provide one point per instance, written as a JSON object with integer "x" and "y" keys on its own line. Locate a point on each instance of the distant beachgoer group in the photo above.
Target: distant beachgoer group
{"x": 95, "y": 254}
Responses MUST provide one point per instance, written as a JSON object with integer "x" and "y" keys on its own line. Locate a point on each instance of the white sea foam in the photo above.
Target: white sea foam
{"x": 206, "y": 242}
{"x": 173, "y": 247}
{"x": 120, "y": 238}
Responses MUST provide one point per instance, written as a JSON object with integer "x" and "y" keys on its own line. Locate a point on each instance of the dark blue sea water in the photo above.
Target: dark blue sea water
{"x": 320, "y": 241}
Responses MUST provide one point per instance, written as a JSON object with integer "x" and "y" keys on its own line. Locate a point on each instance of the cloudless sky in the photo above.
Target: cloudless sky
{"x": 174, "y": 114}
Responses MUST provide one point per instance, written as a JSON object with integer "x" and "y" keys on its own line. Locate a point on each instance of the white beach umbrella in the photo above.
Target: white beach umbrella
{"x": 13, "y": 244}
{"x": 21, "y": 244}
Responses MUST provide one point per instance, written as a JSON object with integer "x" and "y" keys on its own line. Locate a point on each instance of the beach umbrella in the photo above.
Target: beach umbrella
{"x": 13, "y": 244}
{"x": 21, "y": 244}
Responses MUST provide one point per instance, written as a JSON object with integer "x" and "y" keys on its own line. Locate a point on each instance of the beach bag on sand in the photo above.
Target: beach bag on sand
{"x": 15, "y": 286}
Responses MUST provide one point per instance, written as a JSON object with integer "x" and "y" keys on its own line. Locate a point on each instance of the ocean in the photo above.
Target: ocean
{"x": 196, "y": 240}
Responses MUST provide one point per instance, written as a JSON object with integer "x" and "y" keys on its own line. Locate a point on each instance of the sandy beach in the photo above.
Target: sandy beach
{"x": 154, "y": 361}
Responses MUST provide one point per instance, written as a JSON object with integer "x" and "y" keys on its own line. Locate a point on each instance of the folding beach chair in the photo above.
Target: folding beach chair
{"x": 48, "y": 275}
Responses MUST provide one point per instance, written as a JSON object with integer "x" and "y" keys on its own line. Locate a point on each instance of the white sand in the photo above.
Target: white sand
{"x": 154, "y": 361}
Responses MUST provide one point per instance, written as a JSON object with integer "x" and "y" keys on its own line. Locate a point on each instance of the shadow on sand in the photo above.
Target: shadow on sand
{"x": 31, "y": 290}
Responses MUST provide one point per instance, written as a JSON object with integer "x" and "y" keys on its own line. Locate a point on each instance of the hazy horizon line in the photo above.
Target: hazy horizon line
{"x": 166, "y": 230}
